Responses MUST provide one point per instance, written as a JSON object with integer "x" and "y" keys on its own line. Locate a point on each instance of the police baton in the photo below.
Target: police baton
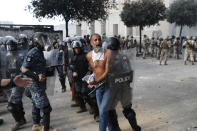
{"x": 95, "y": 88}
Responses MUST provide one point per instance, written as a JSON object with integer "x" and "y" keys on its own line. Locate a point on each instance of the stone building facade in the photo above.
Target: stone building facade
{"x": 114, "y": 26}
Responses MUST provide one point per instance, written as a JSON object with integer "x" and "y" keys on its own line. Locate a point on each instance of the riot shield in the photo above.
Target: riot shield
{"x": 120, "y": 79}
{"x": 54, "y": 57}
{"x": 2, "y": 44}
{"x": 2, "y": 63}
{"x": 11, "y": 62}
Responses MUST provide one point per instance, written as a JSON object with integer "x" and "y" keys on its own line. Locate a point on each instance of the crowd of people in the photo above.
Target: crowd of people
{"x": 87, "y": 62}
{"x": 92, "y": 65}
{"x": 163, "y": 48}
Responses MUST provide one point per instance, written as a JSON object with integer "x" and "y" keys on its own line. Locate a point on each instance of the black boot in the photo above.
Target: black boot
{"x": 81, "y": 104}
{"x": 131, "y": 116}
{"x": 36, "y": 115}
{"x": 46, "y": 118}
{"x": 1, "y": 121}
{"x": 46, "y": 121}
{"x": 62, "y": 81}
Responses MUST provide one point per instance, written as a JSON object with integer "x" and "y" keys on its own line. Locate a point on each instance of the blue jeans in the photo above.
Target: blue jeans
{"x": 103, "y": 96}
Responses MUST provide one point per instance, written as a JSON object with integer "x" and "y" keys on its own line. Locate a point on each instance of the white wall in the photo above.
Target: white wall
{"x": 166, "y": 28}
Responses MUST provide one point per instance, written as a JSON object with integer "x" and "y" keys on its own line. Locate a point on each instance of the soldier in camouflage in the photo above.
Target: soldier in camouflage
{"x": 164, "y": 51}
{"x": 158, "y": 47}
{"x": 189, "y": 50}
{"x": 152, "y": 46}
{"x": 176, "y": 44}
{"x": 145, "y": 46}
{"x": 195, "y": 47}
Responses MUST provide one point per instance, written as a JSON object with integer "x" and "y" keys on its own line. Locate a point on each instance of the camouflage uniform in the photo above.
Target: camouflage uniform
{"x": 164, "y": 51}
{"x": 152, "y": 46}
{"x": 35, "y": 62}
{"x": 14, "y": 59}
{"x": 195, "y": 47}
{"x": 158, "y": 47}
{"x": 176, "y": 44}
{"x": 15, "y": 104}
{"x": 145, "y": 46}
{"x": 189, "y": 50}
{"x": 130, "y": 42}
{"x": 170, "y": 50}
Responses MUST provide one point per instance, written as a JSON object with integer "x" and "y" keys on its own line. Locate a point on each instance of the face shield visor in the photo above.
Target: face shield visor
{"x": 43, "y": 41}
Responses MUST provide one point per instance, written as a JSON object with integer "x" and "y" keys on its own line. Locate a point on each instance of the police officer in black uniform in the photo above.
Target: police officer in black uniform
{"x": 124, "y": 92}
{"x": 79, "y": 66}
{"x": 22, "y": 42}
{"x": 13, "y": 82}
{"x": 14, "y": 60}
{"x": 61, "y": 68}
{"x": 34, "y": 66}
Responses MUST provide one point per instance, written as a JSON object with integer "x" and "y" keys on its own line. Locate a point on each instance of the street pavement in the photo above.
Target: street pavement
{"x": 164, "y": 98}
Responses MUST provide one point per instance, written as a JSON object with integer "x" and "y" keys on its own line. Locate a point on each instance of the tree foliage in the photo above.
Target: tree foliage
{"x": 80, "y": 10}
{"x": 183, "y": 12}
{"x": 143, "y": 12}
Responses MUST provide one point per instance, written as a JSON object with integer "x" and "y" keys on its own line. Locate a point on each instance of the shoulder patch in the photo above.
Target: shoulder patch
{"x": 28, "y": 59}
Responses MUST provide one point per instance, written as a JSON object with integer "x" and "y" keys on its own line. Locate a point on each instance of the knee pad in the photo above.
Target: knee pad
{"x": 129, "y": 113}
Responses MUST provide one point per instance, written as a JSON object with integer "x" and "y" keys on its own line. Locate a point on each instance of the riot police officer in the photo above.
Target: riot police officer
{"x": 22, "y": 42}
{"x": 34, "y": 66}
{"x": 79, "y": 66}
{"x": 124, "y": 92}
{"x": 69, "y": 56}
{"x": 15, "y": 106}
{"x": 16, "y": 81}
{"x": 61, "y": 69}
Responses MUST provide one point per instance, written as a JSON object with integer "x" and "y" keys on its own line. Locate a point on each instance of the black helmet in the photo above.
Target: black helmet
{"x": 22, "y": 41}
{"x": 68, "y": 40}
{"x": 11, "y": 45}
{"x": 40, "y": 40}
{"x": 113, "y": 43}
{"x": 76, "y": 44}
{"x": 22, "y": 38}
{"x": 61, "y": 43}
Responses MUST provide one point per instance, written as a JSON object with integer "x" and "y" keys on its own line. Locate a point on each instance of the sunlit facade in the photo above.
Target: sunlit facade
{"x": 114, "y": 26}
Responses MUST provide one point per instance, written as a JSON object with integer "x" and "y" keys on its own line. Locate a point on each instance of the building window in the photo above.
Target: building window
{"x": 114, "y": 1}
